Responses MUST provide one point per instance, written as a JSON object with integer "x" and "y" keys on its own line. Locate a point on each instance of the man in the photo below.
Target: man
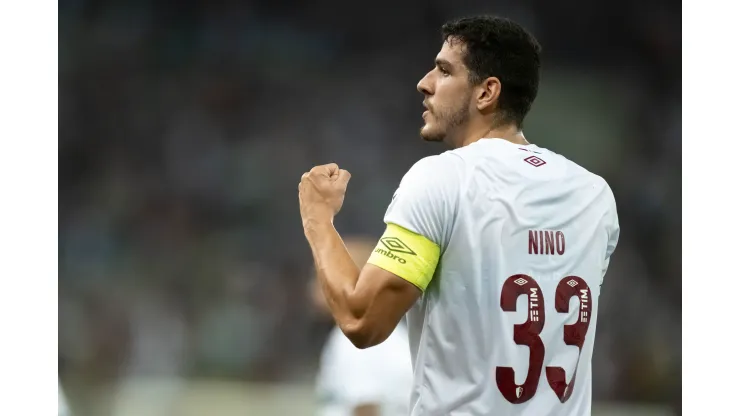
{"x": 370, "y": 382}
{"x": 496, "y": 249}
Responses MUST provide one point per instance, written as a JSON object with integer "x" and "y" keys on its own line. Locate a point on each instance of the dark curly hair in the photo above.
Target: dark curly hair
{"x": 498, "y": 47}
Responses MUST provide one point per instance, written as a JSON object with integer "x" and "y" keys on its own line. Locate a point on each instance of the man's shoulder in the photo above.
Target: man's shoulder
{"x": 437, "y": 165}
{"x": 437, "y": 173}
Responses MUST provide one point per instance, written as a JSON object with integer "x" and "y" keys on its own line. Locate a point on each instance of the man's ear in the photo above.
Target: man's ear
{"x": 488, "y": 93}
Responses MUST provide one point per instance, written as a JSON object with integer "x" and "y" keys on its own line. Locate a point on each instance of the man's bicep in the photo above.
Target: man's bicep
{"x": 388, "y": 295}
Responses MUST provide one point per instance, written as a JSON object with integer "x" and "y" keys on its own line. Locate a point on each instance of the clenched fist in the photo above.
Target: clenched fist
{"x": 321, "y": 193}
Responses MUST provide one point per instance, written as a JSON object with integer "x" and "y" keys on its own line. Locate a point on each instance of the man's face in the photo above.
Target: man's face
{"x": 447, "y": 93}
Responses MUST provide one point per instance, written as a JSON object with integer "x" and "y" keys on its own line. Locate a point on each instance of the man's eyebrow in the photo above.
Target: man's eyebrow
{"x": 442, "y": 62}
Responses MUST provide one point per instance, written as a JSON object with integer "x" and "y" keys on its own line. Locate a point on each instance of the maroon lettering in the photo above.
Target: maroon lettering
{"x": 546, "y": 242}
{"x": 542, "y": 243}
{"x": 533, "y": 242}
{"x": 528, "y": 334}
{"x": 560, "y": 242}
{"x": 549, "y": 242}
{"x": 574, "y": 334}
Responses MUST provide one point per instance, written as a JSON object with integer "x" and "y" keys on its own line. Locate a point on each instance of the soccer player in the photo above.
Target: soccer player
{"x": 369, "y": 382}
{"x": 494, "y": 250}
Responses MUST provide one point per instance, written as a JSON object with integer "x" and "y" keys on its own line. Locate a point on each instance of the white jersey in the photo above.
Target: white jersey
{"x": 507, "y": 324}
{"x": 350, "y": 377}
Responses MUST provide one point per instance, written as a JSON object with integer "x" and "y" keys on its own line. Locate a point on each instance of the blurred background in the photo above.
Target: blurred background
{"x": 184, "y": 129}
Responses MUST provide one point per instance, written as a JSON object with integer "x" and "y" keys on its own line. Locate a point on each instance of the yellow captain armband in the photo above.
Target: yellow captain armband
{"x": 406, "y": 254}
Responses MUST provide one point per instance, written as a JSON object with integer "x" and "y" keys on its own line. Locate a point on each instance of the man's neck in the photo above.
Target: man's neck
{"x": 509, "y": 132}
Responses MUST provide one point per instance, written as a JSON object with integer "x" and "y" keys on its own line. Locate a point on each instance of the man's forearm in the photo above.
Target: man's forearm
{"x": 337, "y": 272}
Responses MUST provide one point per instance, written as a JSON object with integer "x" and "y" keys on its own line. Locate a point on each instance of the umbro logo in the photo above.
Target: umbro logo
{"x": 395, "y": 244}
{"x": 535, "y": 161}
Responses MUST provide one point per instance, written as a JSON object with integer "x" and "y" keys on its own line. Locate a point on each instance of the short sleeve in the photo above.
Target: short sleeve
{"x": 419, "y": 221}
{"x": 425, "y": 201}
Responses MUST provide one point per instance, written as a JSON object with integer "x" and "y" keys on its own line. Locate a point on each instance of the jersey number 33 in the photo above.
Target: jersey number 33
{"x": 528, "y": 334}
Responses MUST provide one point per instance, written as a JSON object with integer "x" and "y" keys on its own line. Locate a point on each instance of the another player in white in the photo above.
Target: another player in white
{"x": 496, "y": 249}
{"x": 370, "y": 382}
